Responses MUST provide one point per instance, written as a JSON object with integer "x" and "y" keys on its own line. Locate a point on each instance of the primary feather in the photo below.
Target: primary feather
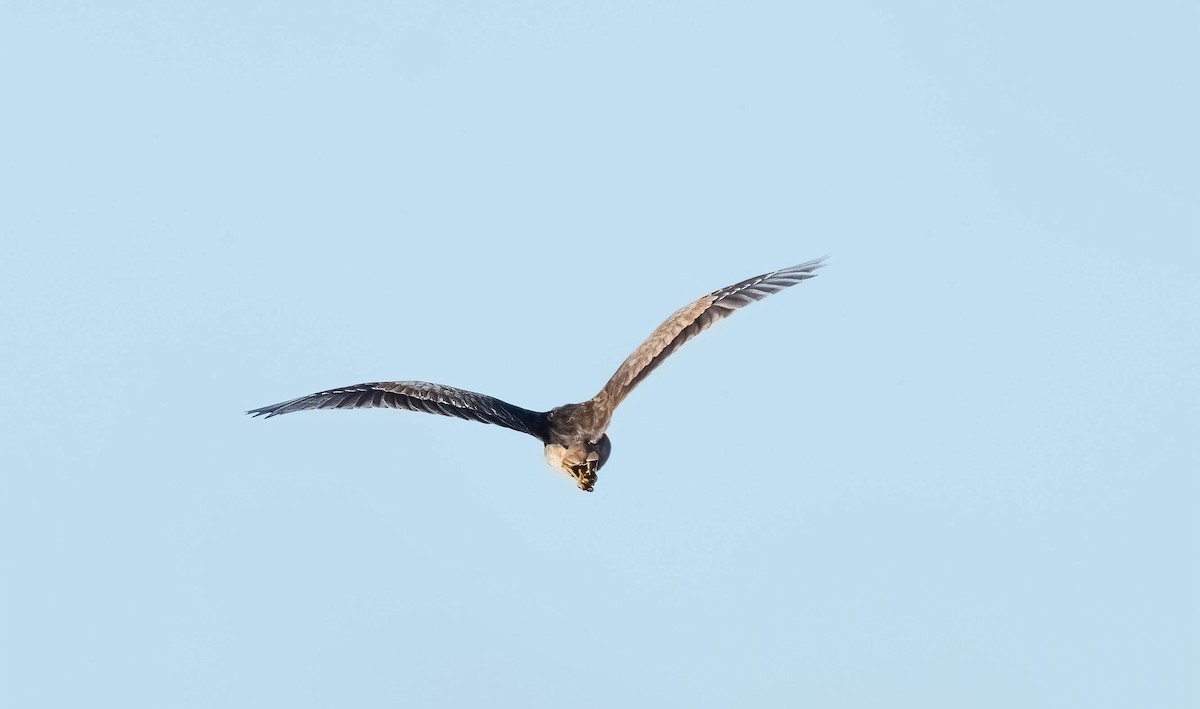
{"x": 418, "y": 396}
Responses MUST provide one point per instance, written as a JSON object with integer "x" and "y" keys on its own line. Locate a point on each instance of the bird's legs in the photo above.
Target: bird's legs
{"x": 585, "y": 473}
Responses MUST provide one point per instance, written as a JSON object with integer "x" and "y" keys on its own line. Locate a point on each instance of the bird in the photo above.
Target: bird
{"x": 574, "y": 435}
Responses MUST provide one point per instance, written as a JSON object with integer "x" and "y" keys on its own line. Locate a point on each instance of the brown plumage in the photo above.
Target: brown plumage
{"x": 573, "y": 434}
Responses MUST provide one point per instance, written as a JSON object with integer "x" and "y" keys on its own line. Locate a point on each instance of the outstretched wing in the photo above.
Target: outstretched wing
{"x": 691, "y": 320}
{"x": 418, "y": 396}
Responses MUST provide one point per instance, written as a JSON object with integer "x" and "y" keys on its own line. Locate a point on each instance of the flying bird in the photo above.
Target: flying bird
{"x": 573, "y": 434}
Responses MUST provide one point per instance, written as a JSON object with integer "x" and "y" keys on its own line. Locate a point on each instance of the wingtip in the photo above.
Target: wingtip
{"x": 808, "y": 266}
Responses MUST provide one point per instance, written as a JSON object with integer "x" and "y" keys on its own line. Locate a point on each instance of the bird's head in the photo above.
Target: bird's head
{"x": 580, "y": 460}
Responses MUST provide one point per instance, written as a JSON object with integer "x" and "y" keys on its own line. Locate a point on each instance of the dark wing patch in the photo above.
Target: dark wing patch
{"x": 418, "y": 396}
{"x": 691, "y": 320}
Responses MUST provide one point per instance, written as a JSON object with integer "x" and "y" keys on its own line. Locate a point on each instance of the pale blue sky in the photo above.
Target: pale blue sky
{"x": 958, "y": 469}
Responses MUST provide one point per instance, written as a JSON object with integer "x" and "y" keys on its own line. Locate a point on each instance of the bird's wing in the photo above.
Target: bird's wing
{"x": 418, "y": 396}
{"x": 691, "y": 320}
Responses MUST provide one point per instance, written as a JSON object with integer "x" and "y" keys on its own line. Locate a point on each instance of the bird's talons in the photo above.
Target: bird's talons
{"x": 585, "y": 477}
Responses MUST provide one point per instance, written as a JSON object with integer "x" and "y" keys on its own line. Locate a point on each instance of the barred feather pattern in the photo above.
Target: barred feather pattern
{"x": 691, "y": 320}
{"x": 425, "y": 397}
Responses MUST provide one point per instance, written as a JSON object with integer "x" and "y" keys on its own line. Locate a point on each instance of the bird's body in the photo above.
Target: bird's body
{"x": 573, "y": 434}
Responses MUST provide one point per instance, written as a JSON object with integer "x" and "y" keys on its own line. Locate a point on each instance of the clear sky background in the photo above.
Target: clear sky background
{"x": 958, "y": 469}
